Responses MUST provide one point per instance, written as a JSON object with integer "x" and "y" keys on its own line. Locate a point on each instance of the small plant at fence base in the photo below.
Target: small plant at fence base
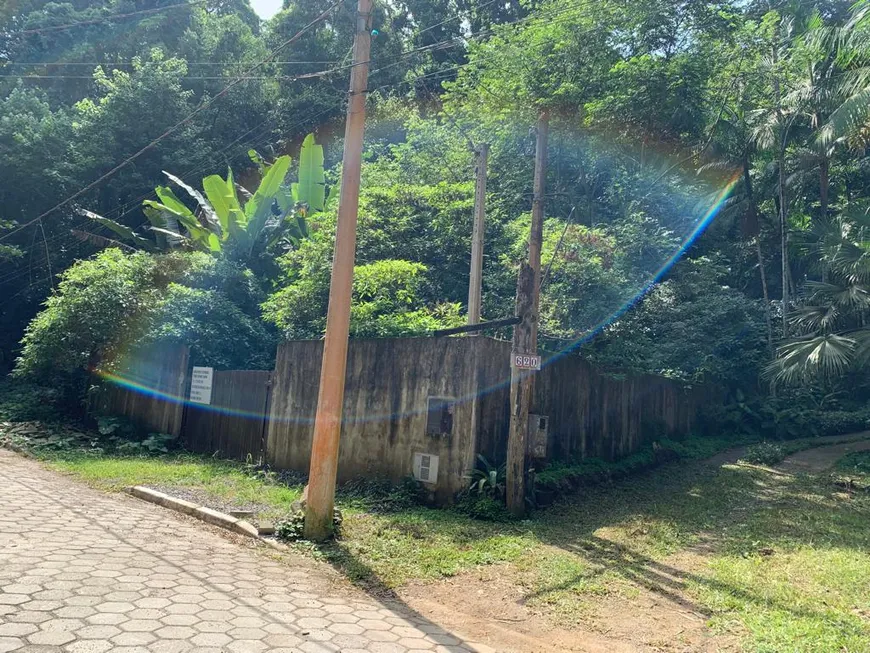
{"x": 484, "y": 499}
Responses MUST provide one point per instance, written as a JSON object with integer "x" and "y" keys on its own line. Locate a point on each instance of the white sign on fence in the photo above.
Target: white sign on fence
{"x": 200, "y": 385}
{"x": 526, "y": 361}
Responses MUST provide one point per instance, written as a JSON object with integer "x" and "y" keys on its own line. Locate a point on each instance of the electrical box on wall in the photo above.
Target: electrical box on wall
{"x": 439, "y": 418}
{"x": 426, "y": 468}
{"x": 539, "y": 426}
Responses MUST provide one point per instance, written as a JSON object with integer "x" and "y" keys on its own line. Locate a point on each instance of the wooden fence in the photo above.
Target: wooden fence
{"x": 234, "y": 425}
{"x": 150, "y": 390}
{"x": 590, "y": 414}
{"x": 386, "y": 422}
{"x": 443, "y": 398}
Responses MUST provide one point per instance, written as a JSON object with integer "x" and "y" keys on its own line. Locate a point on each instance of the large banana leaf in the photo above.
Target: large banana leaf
{"x": 286, "y": 200}
{"x": 155, "y": 216}
{"x": 311, "y": 188}
{"x": 170, "y": 200}
{"x": 199, "y": 234}
{"x": 259, "y": 207}
{"x": 221, "y": 194}
{"x": 161, "y": 222}
{"x": 169, "y": 234}
{"x": 207, "y": 210}
{"x": 122, "y": 230}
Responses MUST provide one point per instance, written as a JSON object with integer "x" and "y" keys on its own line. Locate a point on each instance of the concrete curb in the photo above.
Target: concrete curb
{"x": 213, "y": 517}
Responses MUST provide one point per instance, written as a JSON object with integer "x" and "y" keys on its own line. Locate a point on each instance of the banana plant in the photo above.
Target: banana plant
{"x": 229, "y": 219}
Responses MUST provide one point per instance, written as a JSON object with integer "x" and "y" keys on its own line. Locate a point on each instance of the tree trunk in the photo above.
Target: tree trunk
{"x": 783, "y": 214}
{"x": 824, "y": 186}
{"x": 767, "y": 316}
{"x": 754, "y": 228}
{"x": 783, "y": 233}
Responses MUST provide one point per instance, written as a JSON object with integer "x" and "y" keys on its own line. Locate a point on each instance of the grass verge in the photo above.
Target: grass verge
{"x": 785, "y": 560}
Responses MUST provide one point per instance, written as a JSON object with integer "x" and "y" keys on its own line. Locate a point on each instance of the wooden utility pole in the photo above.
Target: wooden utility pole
{"x": 327, "y": 422}
{"x": 536, "y": 237}
{"x": 475, "y": 283}
{"x": 521, "y": 394}
{"x": 525, "y": 339}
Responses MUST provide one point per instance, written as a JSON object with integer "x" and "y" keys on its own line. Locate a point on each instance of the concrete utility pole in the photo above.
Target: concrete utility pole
{"x": 327, "y": 422}
{"x": 475, "y": 283}
{"x": 525, "y": 339}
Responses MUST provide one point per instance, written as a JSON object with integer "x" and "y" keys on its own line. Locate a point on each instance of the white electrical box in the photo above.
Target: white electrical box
{"x": 539, "y": 426}
{"x": 426, "y": 467}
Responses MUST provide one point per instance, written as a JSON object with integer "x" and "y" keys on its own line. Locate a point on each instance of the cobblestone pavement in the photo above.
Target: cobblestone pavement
{"x": 86, "y": 572}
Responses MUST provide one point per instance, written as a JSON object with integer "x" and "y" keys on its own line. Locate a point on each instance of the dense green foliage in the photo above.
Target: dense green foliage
{"x": 114, "y": 304}
{"x": 664, "y": 117}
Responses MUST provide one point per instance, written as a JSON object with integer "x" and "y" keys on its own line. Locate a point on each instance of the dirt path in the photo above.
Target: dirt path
{"x": 655, "y": 615}
{"x": 821, "y": 459}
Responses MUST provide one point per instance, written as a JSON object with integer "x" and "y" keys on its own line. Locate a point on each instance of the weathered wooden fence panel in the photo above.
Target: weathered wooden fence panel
{"x": 233, "y": 426}
{"x": 150, "y": 389}
{"x": 400, "y": 394}
{"x": 386, "y": 421}
{"x": 591, "y": 414}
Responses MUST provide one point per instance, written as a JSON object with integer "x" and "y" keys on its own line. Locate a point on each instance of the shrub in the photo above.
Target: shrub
{"x": 123, "y": 437}
{"x": 110, "y": 304}
{"x": 483, "y": 507}
{"x": 764, "y": 453}
{"x": 100, "y": 304}
{"x": 856, "y": 463}
{"x": 388, "y": 301}
{"x": 561, "y": 477}
{"x": 24, "y": 402}
{"x": 842, "y": 422}
{"x": 218, "y": 333}
{"x": 382, "y": 495}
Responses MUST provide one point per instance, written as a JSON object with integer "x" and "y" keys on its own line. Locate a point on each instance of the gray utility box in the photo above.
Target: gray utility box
{"x": 539, "y": 427}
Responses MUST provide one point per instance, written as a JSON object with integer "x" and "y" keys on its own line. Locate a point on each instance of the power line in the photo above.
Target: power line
{"x": 182, "y": 122}
{"x": 135, "y": 204}
{"x": 187, "y": 77}
{"x": 459, "y": 15}
{"x": 130, "y": 63}
{"x": 450, "y": 43}
{"x": 102, "y": 19}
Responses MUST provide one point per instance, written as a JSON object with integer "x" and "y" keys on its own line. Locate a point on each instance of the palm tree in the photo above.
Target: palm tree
{"x": 850, "y": 120}
{"x": 735, "y": 140}
{"x": 831, "y": 326}
{"x": 772, "y": 132}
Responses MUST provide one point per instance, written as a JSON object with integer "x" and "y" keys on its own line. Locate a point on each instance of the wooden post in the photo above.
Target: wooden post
{"x": 475, "y": 282}
{"x": 536, "y": 236}
{"x": 521, "y": 394}
{"x": 525, "y": 339}
{"x": 327, "y": 421}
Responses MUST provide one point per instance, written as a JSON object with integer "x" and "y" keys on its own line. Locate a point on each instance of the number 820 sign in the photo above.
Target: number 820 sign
{"x": 526, "y": 361}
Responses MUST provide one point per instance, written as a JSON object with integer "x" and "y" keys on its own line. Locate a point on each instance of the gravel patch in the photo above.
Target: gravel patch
{"x": 216, "y": 503}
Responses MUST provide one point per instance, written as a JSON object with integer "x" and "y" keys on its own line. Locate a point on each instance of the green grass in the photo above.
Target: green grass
{"x": 789, "y": 567}
{"x": 855, "y": 464}
{"x": 225, "y": 481}
{"x": 810, "y": 590}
